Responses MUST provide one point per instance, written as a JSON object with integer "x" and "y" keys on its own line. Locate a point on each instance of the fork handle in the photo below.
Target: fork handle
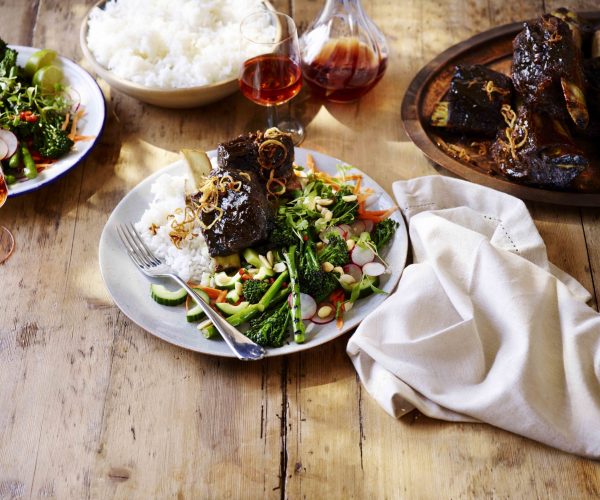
{"x": 241, "y": 345}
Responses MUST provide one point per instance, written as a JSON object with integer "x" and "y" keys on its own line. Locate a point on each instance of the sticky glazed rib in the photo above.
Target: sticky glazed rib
{"x": 473, "y": 102}
{"x": 269, "y": 154}
{"x": 234, "y": 211}
{"x": 547, "y": 70}
{"x": 537, "y": 149}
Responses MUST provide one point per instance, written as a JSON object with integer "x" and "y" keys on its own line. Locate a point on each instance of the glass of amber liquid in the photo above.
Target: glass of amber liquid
{"x": 7, "y": 241}
{"x": 271, "y": 73}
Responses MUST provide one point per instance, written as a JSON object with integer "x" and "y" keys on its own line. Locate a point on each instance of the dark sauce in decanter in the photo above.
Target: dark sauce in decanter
{"x": 344, "y": 70}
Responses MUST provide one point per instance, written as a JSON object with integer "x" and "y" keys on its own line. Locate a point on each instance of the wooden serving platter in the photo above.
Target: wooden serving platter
{"x": 494, "y": 49}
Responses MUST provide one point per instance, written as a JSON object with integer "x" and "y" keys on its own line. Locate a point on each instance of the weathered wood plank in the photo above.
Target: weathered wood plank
{"x": 92, "y": 406}
{"x": 418, "y": 457}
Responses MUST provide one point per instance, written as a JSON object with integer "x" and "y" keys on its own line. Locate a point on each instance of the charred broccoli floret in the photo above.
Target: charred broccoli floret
{"x": 313, "y": 280}
{"x": 335, "y": 252}
{"x": 271, "y": 328}
{"x": 254, "y": 290}
{"x": 49, "y": 140}
{"x": 282, "y": 235}
{"x": 344, "y": 212}
{"x": 383, "y": 232}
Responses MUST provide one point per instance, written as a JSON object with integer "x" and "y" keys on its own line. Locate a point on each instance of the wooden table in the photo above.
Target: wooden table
{"x": 93, "y": 406}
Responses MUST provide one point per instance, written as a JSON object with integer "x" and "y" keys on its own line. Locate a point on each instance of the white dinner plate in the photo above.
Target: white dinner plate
{"x": 91, "y": 124}
{"x": 131, "y": 291}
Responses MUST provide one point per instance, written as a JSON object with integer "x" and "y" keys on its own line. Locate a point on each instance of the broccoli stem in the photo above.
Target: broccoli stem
{"x": 273, "y": 295}
{"x": 272, "y": 292}
{"x": 298, "y": 325}
{"x": 311, "y": 257}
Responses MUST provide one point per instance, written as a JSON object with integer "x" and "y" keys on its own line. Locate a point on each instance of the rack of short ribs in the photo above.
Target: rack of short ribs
{"x": 553, "y": 93}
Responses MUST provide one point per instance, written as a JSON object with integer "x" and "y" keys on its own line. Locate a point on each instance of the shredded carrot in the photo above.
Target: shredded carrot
{"x": 357, "y": 185}
{"x": 337, "y": 296}
{"x": 374, "y": 212}
{"x": 78, "y": 138}
{"x": 76, "y": 118}
{"x": 45, "y": 164}
{"x": 376, "y": 215}
{"x": 310, "y": 163}
{"x": 213, "y": 293}
{"x": 339, "y": 321}
{"x": 221, "y": 298}
{"x": 66, "y": 122}
{"x": 362, "y": 197}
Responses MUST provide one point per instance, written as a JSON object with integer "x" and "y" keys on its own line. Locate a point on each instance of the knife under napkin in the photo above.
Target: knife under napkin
{"x": 482, "y": 327}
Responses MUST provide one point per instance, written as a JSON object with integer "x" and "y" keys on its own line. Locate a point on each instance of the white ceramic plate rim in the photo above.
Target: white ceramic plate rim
{"x": 130, "y": 289}
{"x": 92, "y": 123}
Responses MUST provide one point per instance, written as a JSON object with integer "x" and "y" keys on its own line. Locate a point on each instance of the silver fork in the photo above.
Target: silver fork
{"x": 153, "y": 267}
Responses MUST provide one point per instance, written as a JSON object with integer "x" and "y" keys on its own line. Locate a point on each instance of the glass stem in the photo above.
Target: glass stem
{"x": 272, "y": 118}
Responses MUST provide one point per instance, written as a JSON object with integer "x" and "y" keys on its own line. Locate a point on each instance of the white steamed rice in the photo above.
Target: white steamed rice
{"x": 192, "y": 259}
{"x": 170, "y": 43}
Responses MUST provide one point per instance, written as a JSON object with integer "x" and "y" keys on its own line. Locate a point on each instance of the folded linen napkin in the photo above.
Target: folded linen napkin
{"x": 482, "y": 328}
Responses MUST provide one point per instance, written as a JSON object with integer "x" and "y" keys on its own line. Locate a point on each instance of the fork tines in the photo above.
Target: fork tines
{"x": 136, "y": 248}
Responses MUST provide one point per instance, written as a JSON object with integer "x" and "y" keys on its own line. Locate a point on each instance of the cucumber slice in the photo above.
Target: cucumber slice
{"x": 365, "y": 286}
{"x": 167, "y": 297}
{"x": 230, "y": 309}
{"x": 222, "y": 280}
{"x": 264, "y": 273}
{"x": 232, "y": 296}
{"x": 195, "y": 314}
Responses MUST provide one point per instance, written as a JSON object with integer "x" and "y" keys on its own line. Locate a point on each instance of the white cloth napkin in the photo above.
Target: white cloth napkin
{"x": 482, "y": 328}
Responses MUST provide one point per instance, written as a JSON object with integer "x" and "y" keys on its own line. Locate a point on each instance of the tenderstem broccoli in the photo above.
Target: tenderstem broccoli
{"x": 270, "y": 328}
{"x": 273, "y": 296}
{"x": 282, "y": 235}
{"x": 254, "y": 290}
{"x": 383, "y": 232}
{"x": 335, "y": 252}
{"x": 344, "y": 212}
{"x": 296, "y": 312}
{"x": 313, "y": 280}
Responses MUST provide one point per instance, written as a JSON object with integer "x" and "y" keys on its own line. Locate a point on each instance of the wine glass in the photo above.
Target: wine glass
{"x": 7, "y": 241}
{"x": 271, "y": 73}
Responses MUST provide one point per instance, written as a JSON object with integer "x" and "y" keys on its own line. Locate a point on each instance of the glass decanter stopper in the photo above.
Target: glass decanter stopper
{"x": 344, "y": 54}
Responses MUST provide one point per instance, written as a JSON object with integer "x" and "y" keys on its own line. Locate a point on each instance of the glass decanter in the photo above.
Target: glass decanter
{"x": 344, "y": 54}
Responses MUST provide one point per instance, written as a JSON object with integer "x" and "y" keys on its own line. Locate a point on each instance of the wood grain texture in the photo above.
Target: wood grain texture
{"x": 91, "y": 406}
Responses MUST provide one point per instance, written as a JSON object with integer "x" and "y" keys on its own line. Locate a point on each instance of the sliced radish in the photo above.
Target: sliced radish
{"x": 3, "y": 150}
{"x": 340, "y": 230}
{"x": 75, "y": 97}
{"x": 358, "y": 227}
{"x": 347, "y": 230}
{"x": 368, "y": 225}
{"x": 328, "y": 318}
{"x": 11, "y": 141}
{"x": 308, "y": 306}
{"x": 354, "y": 271}
{"x": 371, "y": 200}
{"x": 373, "y": 269}
{"x": 361, "y": 256}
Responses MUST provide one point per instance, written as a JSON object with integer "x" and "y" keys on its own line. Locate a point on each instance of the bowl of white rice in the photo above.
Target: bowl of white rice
{"x": 170, "y": 53}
